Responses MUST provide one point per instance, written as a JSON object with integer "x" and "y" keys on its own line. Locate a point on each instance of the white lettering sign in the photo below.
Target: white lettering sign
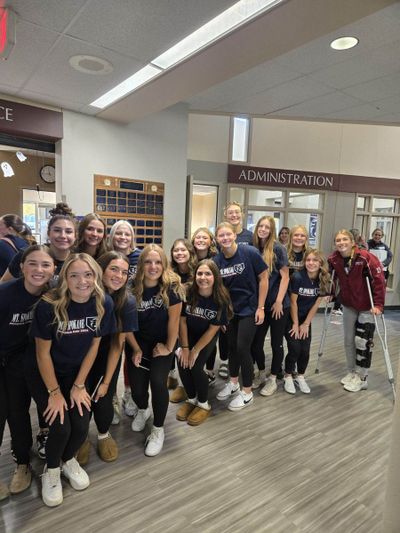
{"x": 287, "y": 178}
{"x": 6, "y": 113}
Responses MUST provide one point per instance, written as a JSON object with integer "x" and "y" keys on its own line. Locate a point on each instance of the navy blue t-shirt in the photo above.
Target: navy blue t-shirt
{"x": 133, "y": 261}
{"x": 240, "y": 276}
{"x": 68, "y": 349}
{"x": 153, "y": 319}
{"x": 16, "y": 313}
{"x": 297, "y": 263}
{"x": 307, "y": 291}
{"x": 245, "y": 237}
{"x": 7, "y": 252}
{"x": 281, "y": 260}
{"x": 203, "y": 315}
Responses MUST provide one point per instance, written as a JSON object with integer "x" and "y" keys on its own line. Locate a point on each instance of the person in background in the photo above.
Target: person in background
{"x": 234, "y": 215}
{"x": 381, "y": 250}
{"x": 307, "y": 286}
{"x": 122, "y": 239}
{"x": 283, "y": 235}
{"x": 92, "y": 235}
{"x": 352, "y": 266}
{"x": 15, "y": 235}
{"x": 359, "y": 239}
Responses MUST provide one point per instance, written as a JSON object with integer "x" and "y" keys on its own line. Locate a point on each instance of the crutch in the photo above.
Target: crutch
{"x": 327, "y": 321}
{"x": 383, "y": 341}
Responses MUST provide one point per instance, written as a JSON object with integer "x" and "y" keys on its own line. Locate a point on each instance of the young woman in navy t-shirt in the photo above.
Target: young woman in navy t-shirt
{"x": 245, "y": 275}
{"x": 159, "y": 295}
{"x": 208, "y": 307}
{"x": 277, "y": 304}
{"x": 67, "y": 326}
{"x": 105, "y": 370}
{"x": 307, "y": 286}
{"x": 92, "y": 234}
{"x": 17, "y": 299}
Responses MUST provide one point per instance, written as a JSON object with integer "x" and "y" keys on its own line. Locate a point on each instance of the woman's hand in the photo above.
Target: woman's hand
{"x": 260, "y": 315}
{"x": 80, "y": 397}
{"x": 277, "y": 310}
{"x": 376, "y": 311}
{"x": 137, "y": 357}
{"x": 160, "y": 349}
{"x": 101, "y": 391}
{"x": 304, "y": 330}
{"x": 294, "y": 332}
{"x": 56, "y": 405}
{"x": 184, "y": 357}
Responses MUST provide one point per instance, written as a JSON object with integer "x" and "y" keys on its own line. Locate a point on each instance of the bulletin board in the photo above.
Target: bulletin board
{"x": 141, "y": 203}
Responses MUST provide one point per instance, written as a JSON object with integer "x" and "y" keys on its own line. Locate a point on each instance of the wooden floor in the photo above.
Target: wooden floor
{"x": 293, "y": 464}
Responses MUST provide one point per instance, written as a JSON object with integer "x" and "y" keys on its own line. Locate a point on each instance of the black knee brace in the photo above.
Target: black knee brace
{"x": 364, "y": 343}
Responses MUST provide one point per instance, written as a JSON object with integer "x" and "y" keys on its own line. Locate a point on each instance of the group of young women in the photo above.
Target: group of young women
{"x": 69, "y": 310}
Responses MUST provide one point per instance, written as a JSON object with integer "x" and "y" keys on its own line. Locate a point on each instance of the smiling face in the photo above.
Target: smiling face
{"x": 233, "y": 215}
{"x": 284, "y": 236}
{"x": 37, "y": 269}
{"x": 226, "y": 238}
{"x": 344, "y": 244}
{"x": 263, "y": 229}
{"x": 62, "y": 235}
{"x": 204, "y": 280}
{"x": 93, "y": 233}
{"x": 115, "y": 275}
{"x": 180, "y": 253}
{"x": 152, "y": 268}
{"x": 299, "y": 239}
{"x": 377, "y": 235}
{"x": 201, "y": 241}
{"x": 80, "y": 281}
{"x": 312, "y": 264}
{"x": 122, "y": 241}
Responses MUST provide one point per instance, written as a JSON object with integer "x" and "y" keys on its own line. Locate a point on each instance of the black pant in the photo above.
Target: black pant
{"x": 103, "y": 410}
{"x": 278, "y": 326}
{"x": 211, "y": 360}
{"x": 65, "y": 439}
{"x": 18, "y": 399}
{"x": 156, "y": 377}
{"x": 195, "y": 380}
{"x": 241, "y": 331}
{"x": 223, "y": 344}
{"x": 298, "y": 353}
{"x": 3, "y": 403}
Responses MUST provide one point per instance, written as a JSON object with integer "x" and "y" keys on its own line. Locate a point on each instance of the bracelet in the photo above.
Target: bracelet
{"x": 185, "y": 346}
{"x": 53, "y": 390}
{"x": 263, "y": 307}
{"x": 80, "y": 387}
{"x": 107, "y": 384}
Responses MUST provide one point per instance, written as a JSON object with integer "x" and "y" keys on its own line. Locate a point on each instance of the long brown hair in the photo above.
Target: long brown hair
{"x": 266, "y": 249}
{"x": 192, "y": 262}
{"x": 83, "y": 224}
{"x": 212, "y": 250}
{"x": 120, "y": 296}
{"x": 18, "y": 225}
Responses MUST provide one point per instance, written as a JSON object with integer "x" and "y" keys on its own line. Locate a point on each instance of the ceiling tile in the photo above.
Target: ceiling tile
{"x": 320, "y": 106}
{"x": 44, "y": 12}
{"x": 376, "y": 89}
{"x": 356, "y": 113}
{"x": 50, "y": 100}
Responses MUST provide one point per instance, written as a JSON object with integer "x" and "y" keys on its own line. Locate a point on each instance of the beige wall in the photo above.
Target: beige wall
{"x": 208, "y": 138}
{"x": 26, "y": 177}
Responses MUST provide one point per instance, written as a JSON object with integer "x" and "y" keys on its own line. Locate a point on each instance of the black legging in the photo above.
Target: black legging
{"x": 65, "y": 439}
{"x": 195, "y": 380}
{"x": 140, "y": 379}
{"x": 3, "y": 403}
{"x": 103, "y": 410}
{"x": 298, "y": 353}
{"x": 278, "y": 327}
{"x": 241, "y": 331}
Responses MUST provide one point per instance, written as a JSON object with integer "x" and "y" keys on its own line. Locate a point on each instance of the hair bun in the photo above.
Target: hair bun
{"x": 61, "y": 209}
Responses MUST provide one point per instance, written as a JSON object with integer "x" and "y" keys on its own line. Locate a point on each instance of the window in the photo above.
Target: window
{"x": 253, "y": 216}
{"x": 305, "y": 200}
{"x": 240, "y": 127}
{"x": 262, "y": 197}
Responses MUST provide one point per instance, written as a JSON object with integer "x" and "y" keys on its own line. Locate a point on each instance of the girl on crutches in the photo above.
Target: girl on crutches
{"x": 351, "y": 266}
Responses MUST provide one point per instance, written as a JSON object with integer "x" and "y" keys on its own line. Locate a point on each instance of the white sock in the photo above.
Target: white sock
{"x": 193, "y": 401}
{"x": 272, "y": 378}
{"x": 102, "y": 436}
{"x": 204, "y": 405}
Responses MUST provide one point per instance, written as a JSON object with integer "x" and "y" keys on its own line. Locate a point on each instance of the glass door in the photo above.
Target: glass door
{"x": 204, "y": 206}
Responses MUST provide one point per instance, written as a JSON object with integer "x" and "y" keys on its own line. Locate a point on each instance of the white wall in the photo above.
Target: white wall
{"x": 208, "y": 138}
{"x": 153, "y": 148}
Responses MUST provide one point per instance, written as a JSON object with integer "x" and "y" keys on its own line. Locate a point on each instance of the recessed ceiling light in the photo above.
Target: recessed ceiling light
{"x": 344, "y": 43}
{"x": 91, "y": 64}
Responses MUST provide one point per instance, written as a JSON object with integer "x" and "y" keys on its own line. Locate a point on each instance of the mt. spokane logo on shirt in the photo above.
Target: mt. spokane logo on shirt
{"x": 83, "y": 325}
{"x": 21, "y": 318}
{"x": 209, "y": 314}
{"x": 232, "y": 270}
{"x": 154, "y": 303}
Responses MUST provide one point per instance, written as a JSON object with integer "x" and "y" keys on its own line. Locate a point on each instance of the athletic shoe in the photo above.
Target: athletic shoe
{"x": 128, "y": 405}
{"x": 347, "y": 378}
{"x": 259, "y": 379}
{"x": 337, "y": 312}
{"x": 154, "y": 442}
{"x": 223, "y": 370}
{"x": 198, "y": 416}
{"x": 356, "y": 384}
{"x": 76, "y": 476}
{"x": 107, "y": 449}
{"x": 4, "y": 493}
{"x": 242, "y": 400}
{"x": 83, "y": 453}
{"x": 228, "y": 391}
{"x": 117, "y": 412}
{"x": 211, "y": 379}
{"x": 52, "y": 494}
{"x": 41, "y": 439}
{"x": 302, "y": 384}
{"x": 184, "y": 411}
{"x": 21, "y": 479}
{"x": 288, "y": 385}
{"x": 269, "y": 388}
{"x": 139, "y": 422}
{"x": 178, "y": 395}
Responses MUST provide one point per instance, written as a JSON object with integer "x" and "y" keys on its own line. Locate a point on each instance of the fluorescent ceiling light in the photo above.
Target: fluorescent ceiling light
{"x": 127, "y": 86}
{"x": 227, "y": 21}
{"x": 344, "y": 43}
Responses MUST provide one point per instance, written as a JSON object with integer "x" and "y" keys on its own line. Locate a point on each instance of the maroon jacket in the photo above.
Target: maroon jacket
{"x": 353, "y": 286}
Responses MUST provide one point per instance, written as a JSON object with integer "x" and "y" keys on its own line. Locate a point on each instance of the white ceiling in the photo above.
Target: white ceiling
{"x": 279, "y": 65}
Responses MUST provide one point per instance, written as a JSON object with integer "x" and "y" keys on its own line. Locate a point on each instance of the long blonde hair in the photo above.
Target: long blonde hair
{"x": 290, "y": 250}
{"x": 267, "y": 249}
{"x": 60, "y": 297}
{"x": 168, "y": 280}
{"x": 212, "y": 250}
{"x": 323, "y": 275}
{"x": 351, "y": 237}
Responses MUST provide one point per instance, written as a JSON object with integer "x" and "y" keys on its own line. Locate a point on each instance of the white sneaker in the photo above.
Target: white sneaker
{"x": 139, "y": 422}
{"x": 75, "y": 474}
{"x": 229, "y": 390}
{"x": 223, "y": 370}
{"x": 269, "y": 388}
{"x": 155, "y": 441}
{"x": 288, "y": 385}
{"x": 356, "y": 384}
{"x": 347, "y": 378}
{"x": 52, "y": 494}
{"x": 259, "y": 379}
{"x": 117, "y": 412}
{"x": 240, "y": 401}
{"x": 302, "y": 384}
{"x": 128, "y": 405}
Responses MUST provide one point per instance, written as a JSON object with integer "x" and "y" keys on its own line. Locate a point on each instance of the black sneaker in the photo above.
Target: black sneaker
{"x": 41, "y": 439}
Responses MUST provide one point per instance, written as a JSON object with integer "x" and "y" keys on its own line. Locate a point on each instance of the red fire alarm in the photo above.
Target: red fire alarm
{"x": 7, "y": 31}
